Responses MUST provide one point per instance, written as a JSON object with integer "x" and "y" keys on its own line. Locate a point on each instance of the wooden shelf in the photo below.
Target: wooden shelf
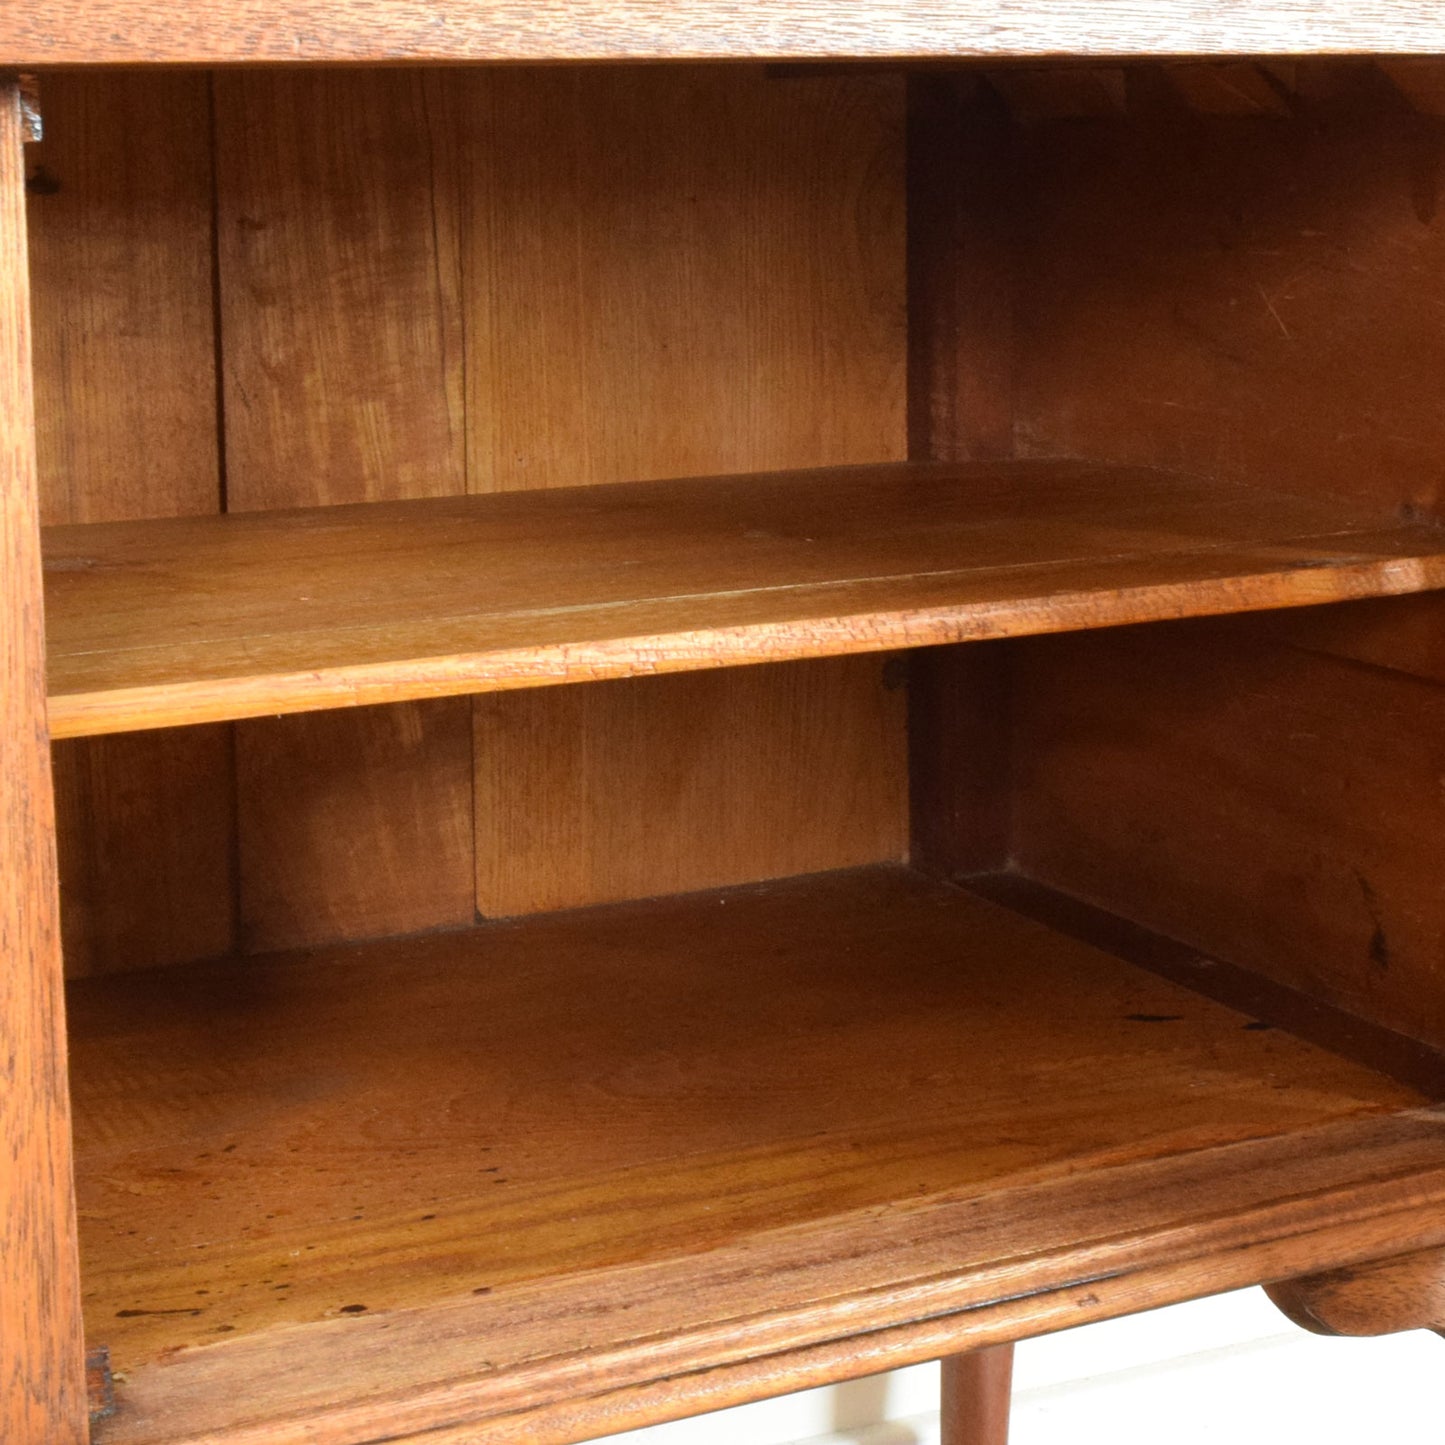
{"x": 79, "y": 32}
{"x": 561, "y": 1176}
{"x": 203, "y": 619}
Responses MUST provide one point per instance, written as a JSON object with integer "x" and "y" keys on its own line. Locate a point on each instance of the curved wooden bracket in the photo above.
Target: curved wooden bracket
{"x": 1382, "y": 1297}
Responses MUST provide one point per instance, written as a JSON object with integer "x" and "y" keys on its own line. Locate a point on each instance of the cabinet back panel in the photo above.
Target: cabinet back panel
{"x": 125, "y": 392}
{"x": 436, "y": 282}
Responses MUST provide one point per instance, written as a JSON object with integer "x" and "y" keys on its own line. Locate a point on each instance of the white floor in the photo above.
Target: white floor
{"x": 1224, "y": 1371}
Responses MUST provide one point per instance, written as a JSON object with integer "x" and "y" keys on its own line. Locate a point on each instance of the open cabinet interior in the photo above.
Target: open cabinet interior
{"x": 1039, "y": 921}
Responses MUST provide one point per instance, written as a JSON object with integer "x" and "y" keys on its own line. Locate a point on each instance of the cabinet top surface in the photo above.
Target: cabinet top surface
{"x": 71, "y": 32}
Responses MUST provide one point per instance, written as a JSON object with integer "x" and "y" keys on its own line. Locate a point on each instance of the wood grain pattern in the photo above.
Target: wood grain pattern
{"x": 976, "y": 1396}
{"x": 197, "y": 620}
{"x": 146, "y": 826}
{"x": 1273, "y": 808}
{"x": 1248, "y": 297}
{"x": 1269, "y": 1003}
{"x": 680, "y": 271}
{"x": 677, "y": 272}
{"x": 664, "y": 785}
{"x": 961, "y": 214}
{"x": 607, "y": 1389}
{"x": 278, "y": 31}
{"x": 355, "y": 831}
{"x": 1383, "y": 1297}
{"x": 42, "y": 1368}
{"x": 960, "y": 812}
{"x": 120, "y": 255}
{"x": 546, "y": 1112}
{"x": 342, "y": 322}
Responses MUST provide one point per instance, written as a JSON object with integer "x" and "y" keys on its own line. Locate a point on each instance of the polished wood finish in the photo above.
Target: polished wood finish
{"x": 669, "y": 784}
{"x": 199, "y": 620}
{"x": 977, "y": 1390}
{"x": 542, "y": 1180}
{"x": 120, "y": 199}
{"x": 1181, "y": 298}
{"x": 960, "y": 272}
{"x": 543, "y": 1116}
{"x": 42, "y": 1372}
{"x": 669, "y": 273}
{"x": 146, "y": 830}
{"x": 1269, "y": 1004}
{"x": 1137, "y": 755}
{"x": 1382, "y": 1297}
{"x": 960, "y": 408}
{"x": 342, "y": 355}
{"x": 279, "y": 31}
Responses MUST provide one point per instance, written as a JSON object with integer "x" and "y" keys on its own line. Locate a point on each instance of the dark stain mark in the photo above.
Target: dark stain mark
{"x": 229, "y": 1149}
{"x": 425, "y": 1217}
{"x": 284, "y": 1285}
{"x": 138, "y": 1314}
{"x": 491, "y": 1168}
{"x": 223, "y": 1329}
{"x": 1084, "y": 1301}
{"x": 353, "y": 1309}
{"x": 1258, "y": 1027}
{"x": 1379, "y": 945}
{"x": 499, "y": 1181}
{"x": 40, "y": 182}
{"x": 1154, "y": 1018}
{"x": 482, "y": 1289}
{"x": 99, "y": 1383}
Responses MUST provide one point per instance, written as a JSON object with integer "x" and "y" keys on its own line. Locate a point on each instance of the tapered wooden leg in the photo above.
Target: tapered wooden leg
{"x": 976, "y": 1391}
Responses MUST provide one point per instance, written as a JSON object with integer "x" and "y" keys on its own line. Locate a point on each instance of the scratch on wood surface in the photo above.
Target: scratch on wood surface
{"x": 1284, "y": 330}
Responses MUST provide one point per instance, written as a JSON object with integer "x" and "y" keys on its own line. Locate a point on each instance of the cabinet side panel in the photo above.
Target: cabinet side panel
{"x": 675, "y": 273}
{"x": 42, "y": 1394}
{"x": 1277, "y": 809}
{"x": 1254, "y": 297}
{"x": 342, "y": 362}
{"x": 121, "y": 262}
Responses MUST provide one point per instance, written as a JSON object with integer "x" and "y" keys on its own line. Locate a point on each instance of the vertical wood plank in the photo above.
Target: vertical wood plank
{"x": 146, "y": 824}
{"x": 669, "y": 273}
{"x": 659, "y": 785}
{"x": 42, "y": 1374}
{"x": 960, "y": 408}
{"x": 121, "y": 242}
{"x": 342, "y": 347}
{"x": 356, "y": 824}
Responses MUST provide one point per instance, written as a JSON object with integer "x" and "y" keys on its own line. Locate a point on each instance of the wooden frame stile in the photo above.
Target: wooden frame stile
{"x": 960, "y": 407}
{"x": 42, "y": 1383}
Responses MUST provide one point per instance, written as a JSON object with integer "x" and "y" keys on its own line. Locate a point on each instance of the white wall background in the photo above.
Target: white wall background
{"x": 1224, "y": 1371}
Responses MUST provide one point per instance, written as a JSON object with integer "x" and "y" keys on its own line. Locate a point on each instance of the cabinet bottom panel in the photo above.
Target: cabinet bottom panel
{"x": 560, "y": 1176}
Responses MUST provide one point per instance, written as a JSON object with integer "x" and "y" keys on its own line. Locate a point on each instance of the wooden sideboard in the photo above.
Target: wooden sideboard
{"x": 765, "y": 705}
